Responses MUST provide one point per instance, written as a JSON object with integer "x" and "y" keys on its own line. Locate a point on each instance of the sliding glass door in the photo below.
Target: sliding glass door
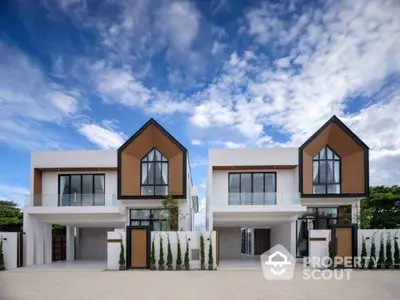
{"x": 81, "y": 189}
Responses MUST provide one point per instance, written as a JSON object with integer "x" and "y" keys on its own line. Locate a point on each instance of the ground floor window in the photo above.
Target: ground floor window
{"x": 156, "y": 218}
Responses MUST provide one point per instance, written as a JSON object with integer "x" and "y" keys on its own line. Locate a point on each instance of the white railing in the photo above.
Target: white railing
{"x": 72, "y": 200}
{"x": 280, "y": 198}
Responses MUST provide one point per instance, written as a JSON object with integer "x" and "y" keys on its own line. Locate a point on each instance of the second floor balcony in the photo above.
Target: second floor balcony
{"x": 73, "y": 200}
{"x": 278, "y": 198}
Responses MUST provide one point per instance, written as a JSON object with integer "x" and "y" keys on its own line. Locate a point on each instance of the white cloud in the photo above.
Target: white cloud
{"x": 196, "y": 142}
{"x": 218, "y": 47}
{"x": 105, "y": 138}
{"x": 17, "y": 194}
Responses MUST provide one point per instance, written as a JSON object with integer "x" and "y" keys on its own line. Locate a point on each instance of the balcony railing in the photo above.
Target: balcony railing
{"x": 73, "y": 200}
{"x": 264, "y": 198}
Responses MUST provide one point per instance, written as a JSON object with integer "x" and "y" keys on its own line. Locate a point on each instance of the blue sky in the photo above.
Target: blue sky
{"x": 87, "y": 74}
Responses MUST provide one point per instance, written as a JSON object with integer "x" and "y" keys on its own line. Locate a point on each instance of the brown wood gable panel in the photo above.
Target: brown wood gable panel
{"x": 130, "y": 155}
{"x": 353, "y": 153}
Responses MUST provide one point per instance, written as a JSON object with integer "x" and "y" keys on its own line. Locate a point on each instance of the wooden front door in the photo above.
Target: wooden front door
{"x": 261, "y": 241}
{"x": 139, "y": 247}
{"x": 345, "y": 243}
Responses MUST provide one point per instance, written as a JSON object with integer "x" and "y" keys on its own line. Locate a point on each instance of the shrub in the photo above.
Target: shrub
{"x": 363, "y": 253}
{"x": 186, "y": 259}
{"x": 153, "y": 254}
{"x": 372, "y": 256}
{"x": 381, "y": 258}
{"x": 172, "y": 206}
{"x": 122, "y": 255}
{"x": 389, "y": 256}
{"x": 161, "y": 261}
{"x": 169, "y": 254}
{"x": 178, "y": 254}
{"x": 396, "y": 254}
{"x": 210, "y": 256}
{"x": 2, "y": 266}
{"x": 202, "y": 256}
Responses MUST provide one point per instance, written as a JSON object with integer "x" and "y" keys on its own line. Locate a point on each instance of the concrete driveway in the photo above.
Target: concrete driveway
{"x": 32, "y": 284}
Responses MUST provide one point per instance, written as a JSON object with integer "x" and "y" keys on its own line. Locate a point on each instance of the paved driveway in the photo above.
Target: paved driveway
{"x": 32, "y": 284}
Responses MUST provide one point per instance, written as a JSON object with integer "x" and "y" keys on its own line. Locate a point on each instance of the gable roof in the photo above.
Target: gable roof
{"x": 144, "y": 127}
{"x": 338, "y": 122}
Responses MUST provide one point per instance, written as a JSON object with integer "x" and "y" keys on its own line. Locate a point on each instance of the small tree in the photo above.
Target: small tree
{"x": 396, "y": 254}
{"x": 153, "y": 255}
{"x": 202, "y": 254}
{"x": 372, "y": 256}
{"x": 331, "y": 254}
{"x": 210, "y": 256}
{"x": 363, "y": 253}
{"x": 2, "y": 266}
{"x": 161, "y": 261}
{"x": 389, "y": 256}
{"x": 122, "y": 257}
{"x": 172, "y": 206}
{"x": 169, "y": 254}
{"x": 381, "y": 258}
{"x": 186, "y": 259}
{"x": 178, "y": 254}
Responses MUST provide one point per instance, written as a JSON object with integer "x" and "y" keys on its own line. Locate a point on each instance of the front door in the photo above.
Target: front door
{"x": 138, "y": 241}
{"x": 345, "y": 243}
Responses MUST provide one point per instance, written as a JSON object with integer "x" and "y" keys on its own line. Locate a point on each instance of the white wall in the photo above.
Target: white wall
{"x": 50, "y": 187}
{"x": 286, "y": 186}
{"x": 370, "y": 234}
{"x": 229, "y": 242}
{"x": 113, "y": 249}
{"x": 285, "y": 235}
{"x": 318, "y": 249}
{"x": 10, "y": 244}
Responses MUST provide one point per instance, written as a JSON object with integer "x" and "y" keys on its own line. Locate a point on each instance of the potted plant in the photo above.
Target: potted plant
{"x": 169, "y": 255}
{"x": 122, "y": 266}
{"x": 178, "y": 254}
{"x": 396, "y": 254}
{"x": 186, "y": 261}
{"x": 202, "y": 256}
{"x": 153, "y": 255}
{"x": 363, "y": 253}
{"x": 381, "y": 257}
{"x": 161, "y": 258}
{"x": 2, "y": 266}
{"x": 372, "y": 257}
{"x": 210, "y": 256}
{"x": 389, "y": 256}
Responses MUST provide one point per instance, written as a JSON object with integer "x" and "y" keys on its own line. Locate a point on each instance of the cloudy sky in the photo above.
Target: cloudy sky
{"x": 87, "y": 74}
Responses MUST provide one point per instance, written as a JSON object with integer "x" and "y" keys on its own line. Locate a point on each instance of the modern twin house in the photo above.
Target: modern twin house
{"x": 255, "y": 199}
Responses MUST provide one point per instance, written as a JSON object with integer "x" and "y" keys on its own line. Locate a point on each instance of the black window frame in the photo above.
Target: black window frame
{"x": 150, "y": 219}
{"x": 81, "y": 185}
{"x": 154, "y": 184}
{"x": 326, "y": 160}
{"x": 252, "y": 187}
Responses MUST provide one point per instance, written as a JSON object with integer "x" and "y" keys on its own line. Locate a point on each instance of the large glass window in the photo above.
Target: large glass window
{"x": 326, "y": 172}
{"x": 154, "y": 174}
{"x": 252, "y": 188}
{"x": 156, "y": 219}
{"x": 81, "y": 190}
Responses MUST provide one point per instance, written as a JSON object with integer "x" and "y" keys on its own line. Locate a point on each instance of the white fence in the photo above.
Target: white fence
{"x": 10, "y": 250}
{"x": 192, "y": 237}
{"x": 375, "y": 234}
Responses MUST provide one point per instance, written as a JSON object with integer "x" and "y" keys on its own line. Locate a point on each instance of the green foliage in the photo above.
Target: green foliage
{"x": 178, "y": 253}
{"x": 389, "y": 256}
{"x": 381, "y": 210}
{"x": 161, "y": 261}
{"x": 186, "y": 259}
{"x": 331, "y": 251}
{"x": 2, "y": 266}
{"x": 169, "y": 253}
{"x": 364, "y": 253}
{"x": 172, "y": 206}
{"x": 396, "y": 254}
{"x": 122, "y": 255}
{"x": 210, "y": 256}
{"x": 202, "y": 254}
{"x": 372, "y": 256}
{"x": 381, "y": 257}
{"x": 11, "y": 216}
{"x": 153, "y": 252}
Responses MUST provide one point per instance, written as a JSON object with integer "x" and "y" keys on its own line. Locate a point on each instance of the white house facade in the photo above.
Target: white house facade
{"x": 257, "y": 198}
{"x": 93, "y": 192}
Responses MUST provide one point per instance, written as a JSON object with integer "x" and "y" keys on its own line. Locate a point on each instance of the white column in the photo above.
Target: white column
{"x": 29, "y": 240}
{"x": 77, "y": 243}
{"x": 39, "y": 243}
{"x": 48, "y": 243}
{"x": 70, "y": 243}
{"x": 293, "y": 238}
